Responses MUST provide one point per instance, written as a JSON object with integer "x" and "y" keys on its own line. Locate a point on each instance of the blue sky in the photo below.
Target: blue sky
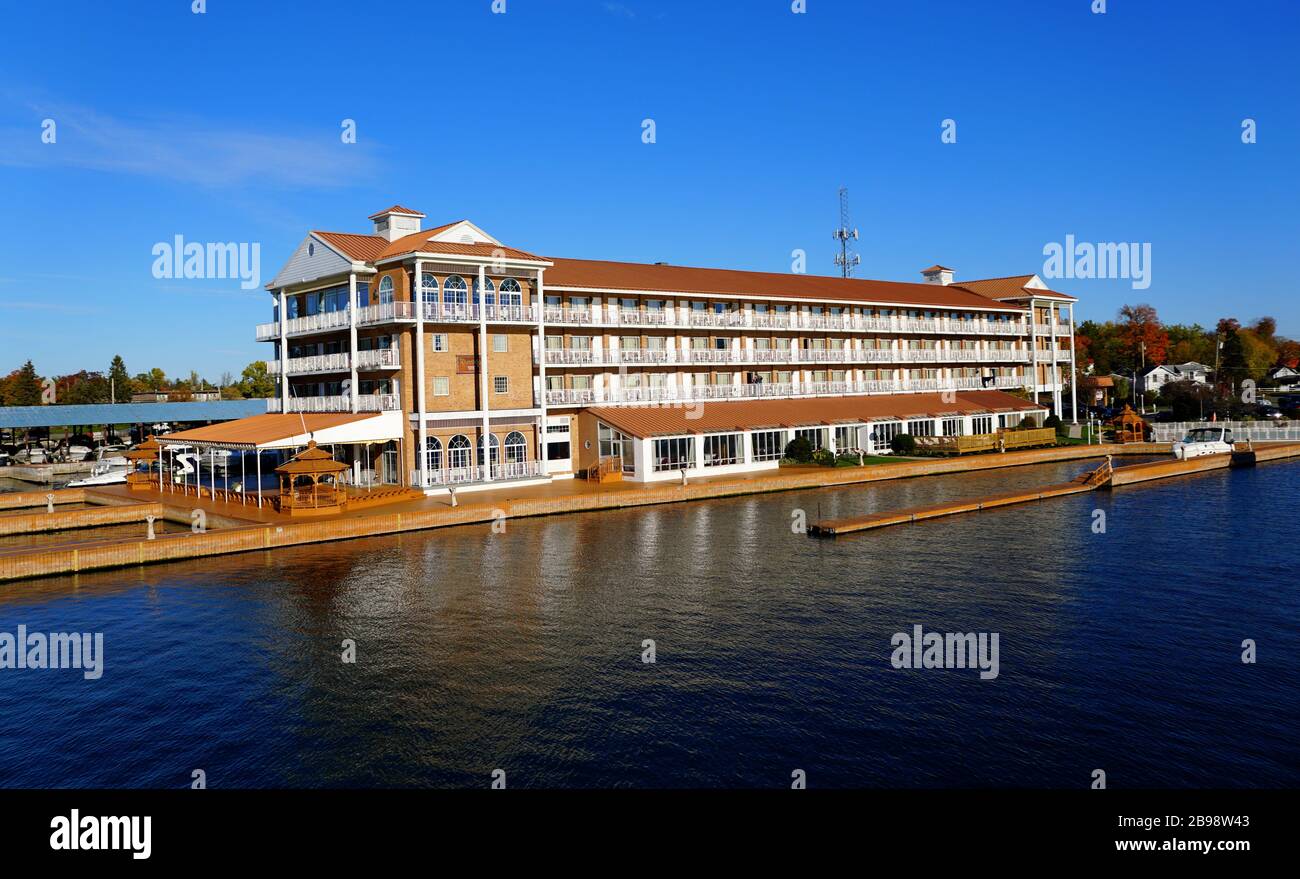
{"x": 225, "y": 127}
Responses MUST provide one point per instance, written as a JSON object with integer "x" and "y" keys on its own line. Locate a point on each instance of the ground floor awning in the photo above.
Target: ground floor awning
{"x": 291, "y": 431}
{"x": 725, "y": 417}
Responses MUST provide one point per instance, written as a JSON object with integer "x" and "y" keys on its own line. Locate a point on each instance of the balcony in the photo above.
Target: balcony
{"x": 457, "y": 476}
{"x": 378, "y": 359}
{"x": 315, "y": 363}
{"x": 338, "y": 403}
{"x": 385, "y": 313}
{"x": 706, "y": 393}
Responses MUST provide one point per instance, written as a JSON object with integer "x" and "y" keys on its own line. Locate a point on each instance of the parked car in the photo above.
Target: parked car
{"x": 1270, "y": 412}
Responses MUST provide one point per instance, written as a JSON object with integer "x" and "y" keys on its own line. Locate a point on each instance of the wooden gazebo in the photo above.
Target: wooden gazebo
{"x": 1130, "y": 427}
{"x": 147, "y": 454}
{"x": 309, "y": 483}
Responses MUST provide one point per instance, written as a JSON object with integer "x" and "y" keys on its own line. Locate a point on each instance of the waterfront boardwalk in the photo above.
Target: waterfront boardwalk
{"x": 1133, "y": 474}
{"x": 236, "y": 528}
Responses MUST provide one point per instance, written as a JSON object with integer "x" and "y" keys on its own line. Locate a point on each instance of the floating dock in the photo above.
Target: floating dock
{"x": 1105, "y": 477}
{"x": 234, "y": 528}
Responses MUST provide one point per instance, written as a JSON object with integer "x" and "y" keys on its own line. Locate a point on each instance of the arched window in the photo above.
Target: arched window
{"x": 454, "y": 292}
{"x": 516, "y": 448}
{"x": 490, "y": 298}
{"x": 432, "y": 453}
{"x": 511, "y": 293}
{"x": 386, "y": 290}
{"x": 459, "y": 452}
{"x": 429, "y": 289}
{"x": 494, "y": 450}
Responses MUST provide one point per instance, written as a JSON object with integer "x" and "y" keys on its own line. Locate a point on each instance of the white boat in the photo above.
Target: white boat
{"x": 111, "y": 467}
{"x": 1202, "y": 441}
{"x": 32, "y": 455}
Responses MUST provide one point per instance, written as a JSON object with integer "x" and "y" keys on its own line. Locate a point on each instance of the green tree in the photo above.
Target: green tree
{"x": 25, "y": 387}
{"x": 120, "y": 381}
{"x": 256, "y": 381}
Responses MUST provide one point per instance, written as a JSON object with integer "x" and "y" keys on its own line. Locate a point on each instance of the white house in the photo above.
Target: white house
{"x": 1156, "y": 377}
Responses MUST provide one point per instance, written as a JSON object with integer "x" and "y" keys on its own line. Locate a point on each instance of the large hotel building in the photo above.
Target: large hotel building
{"x": 442, "y": 357}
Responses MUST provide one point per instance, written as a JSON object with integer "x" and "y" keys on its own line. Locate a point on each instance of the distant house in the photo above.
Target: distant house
{"x": 1284, "y": 375}
{"x": 1097, "y": 389}
{"x": 176, "y": 397}
{"x": 150, "y": 397}
{"x": 1156, "y": 377}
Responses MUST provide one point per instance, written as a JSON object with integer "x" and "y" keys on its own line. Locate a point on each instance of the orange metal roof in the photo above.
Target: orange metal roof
{"x": 395, "y": 209}
{"x": 419, "y": 242}
{"x": 363, "y": 248}
{"x": 261, "y": 429}
{"x": 599, "y": 274}
{"x": 649, "y": 421}
{"x": 1008, "y": 288}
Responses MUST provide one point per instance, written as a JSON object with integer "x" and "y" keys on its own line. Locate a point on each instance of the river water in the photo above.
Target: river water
{"x": 523, "y": 651}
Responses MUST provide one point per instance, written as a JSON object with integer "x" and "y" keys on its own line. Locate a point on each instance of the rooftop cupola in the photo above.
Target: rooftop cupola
{"x": 396, "y": 221}
{"x": 937, "y": 274}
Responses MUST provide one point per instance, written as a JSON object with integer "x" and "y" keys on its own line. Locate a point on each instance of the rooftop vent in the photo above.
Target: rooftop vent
{"x": 936, "y": 274}
{"x": 396, "y": 221}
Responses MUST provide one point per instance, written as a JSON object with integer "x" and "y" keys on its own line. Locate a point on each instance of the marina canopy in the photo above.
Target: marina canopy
{"x": 649, "y": 421}
{"x": 290, "y": 431}
{"x": 126, "y": 413}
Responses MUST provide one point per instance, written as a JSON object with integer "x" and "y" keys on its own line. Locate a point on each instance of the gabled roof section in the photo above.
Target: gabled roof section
{"x": 320, "y": 255}
{"x": 602, "y": 275}
{"x": 361, "y": 248}
{"x": 1012, "y": 287}
{"x": 450, "y": 240}
{"x": 396, "y": 209}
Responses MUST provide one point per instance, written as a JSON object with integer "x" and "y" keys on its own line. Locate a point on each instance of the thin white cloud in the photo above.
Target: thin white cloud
{"x": 187, "y": 149}
{"x": 621, "y": 9}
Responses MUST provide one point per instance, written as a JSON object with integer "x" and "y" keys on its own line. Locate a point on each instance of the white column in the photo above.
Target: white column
{"x": 482, "y": 372}
{"x": 1033, "y": 352}
{"x": 1074, "y": 373}
{"x": 1056, "y": 371}
{"x": 422, "y": 428}
{"x": 284, "y": 353}
{"x": 538, "y": 294}
{"x": 352, "y": 339}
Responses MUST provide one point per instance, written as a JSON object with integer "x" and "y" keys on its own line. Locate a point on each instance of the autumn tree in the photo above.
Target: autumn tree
{"x": 1142, "y": 336}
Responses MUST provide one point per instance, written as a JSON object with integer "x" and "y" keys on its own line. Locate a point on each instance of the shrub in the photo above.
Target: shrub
{"x": 799, "y": 450}
{"x": 823, "y": 457}
{"x": 1053, "y": 421}
{"x": 903, "y": 444}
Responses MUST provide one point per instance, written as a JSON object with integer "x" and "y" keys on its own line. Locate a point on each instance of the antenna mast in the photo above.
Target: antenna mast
{"x": 847, "y": 258}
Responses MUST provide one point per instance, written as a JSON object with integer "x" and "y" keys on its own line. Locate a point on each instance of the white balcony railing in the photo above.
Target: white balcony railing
{"x": 704, "y": 393}
{"x": 454, "y": 476}
{"x": 378, "y": 358}
{"x": 385, "y": 313}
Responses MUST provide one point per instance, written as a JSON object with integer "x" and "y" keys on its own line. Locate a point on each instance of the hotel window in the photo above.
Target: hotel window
{"x": 629, "y": 343}
{"x": 582, "y": 382}
{"x": 627, "y": 304}
{"x": 767, "y": 445}
{"x": 921, "y": 427}
{"x": 554, "y": 343}
{"x": 783, "y": 343}
{"x": 632, "y": 380}
{"x": 432, "y": 453}
{"x": 658, "y": 380}
{"x": 837, "y": 375}
{"x": 555, "y": 383}
{"x": 489, "y": 297}
{"x": 499, "y": 343}
{"x": 494, "y": 449}
{"x": 654, "y": 305}
{"x": 516, "y": 448}
{"x": 454, "y": 292}
{"x": 363, "y": 295}
{"x": 882, "y": 434}
{"x": 500, "y": 384}
{"x": 439, "y": 342}
{"x": 386, "y": 290}
{"x": 580, "y": 343}
{"x": 784, "y": 377}
{"x": 459, "y": 452}
{"x": 720, "y": 449}
{"x": 815, "y": 435}
{"x": 429, "y": 289}
{"x": 656, "y": 343}
{"x": 762, "y": 344}
{"x": 699, "y": 343}
{"x": 674, "y": 454}
{"x": 441, "y": 386}
{"x": 982, "y": 424}
{"x": 511, "y": 293}
{"x": 952, "y": 427}
{"x": 846, "y": 437}
{"x": 819, "y": 375}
